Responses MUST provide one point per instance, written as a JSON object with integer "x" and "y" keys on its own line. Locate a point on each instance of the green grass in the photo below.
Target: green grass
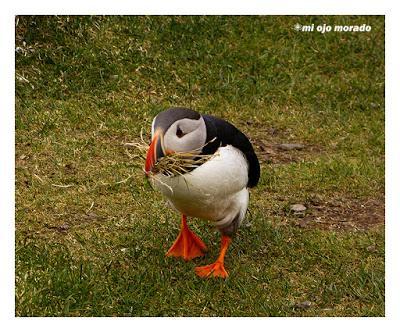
{"x": 86, "y": 85}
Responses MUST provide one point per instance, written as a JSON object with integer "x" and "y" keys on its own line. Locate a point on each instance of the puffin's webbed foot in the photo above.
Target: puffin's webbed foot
{"x": 187, "y": 245}
{"x": 216, "y": 269}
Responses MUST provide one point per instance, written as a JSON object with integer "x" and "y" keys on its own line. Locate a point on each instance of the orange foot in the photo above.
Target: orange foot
{"x": 216, "y": 269}
{"x": 187, "y": 245}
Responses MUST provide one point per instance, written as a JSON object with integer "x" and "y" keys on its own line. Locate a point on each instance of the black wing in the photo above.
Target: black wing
{"x": 224, "y": 134}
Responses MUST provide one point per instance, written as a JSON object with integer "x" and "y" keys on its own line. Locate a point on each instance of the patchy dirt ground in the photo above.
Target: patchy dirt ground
{"x": 340, "y": 214}
{"x": 282, "y": 153}
{"x": 275, "y": 146}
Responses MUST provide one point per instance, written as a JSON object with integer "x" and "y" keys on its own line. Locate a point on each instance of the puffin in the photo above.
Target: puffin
{"x": 216, "y": 190}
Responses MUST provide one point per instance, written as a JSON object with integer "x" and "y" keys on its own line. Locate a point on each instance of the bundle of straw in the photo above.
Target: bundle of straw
{"x": 177, "y": 163}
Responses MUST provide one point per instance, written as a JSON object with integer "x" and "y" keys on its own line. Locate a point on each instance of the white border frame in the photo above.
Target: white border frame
{"x": 215, "y": 7}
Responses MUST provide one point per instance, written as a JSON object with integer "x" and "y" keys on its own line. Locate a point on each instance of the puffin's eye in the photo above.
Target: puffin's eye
{"x": 180, "y": 133}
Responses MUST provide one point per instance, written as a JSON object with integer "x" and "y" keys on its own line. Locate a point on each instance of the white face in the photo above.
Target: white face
{"x": 185, "y": 135}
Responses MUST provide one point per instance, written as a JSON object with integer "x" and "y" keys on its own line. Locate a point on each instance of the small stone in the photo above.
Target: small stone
{"x": 303, "y": 305}
{"x": 296, "y": 208}
{"x": 63, "y": 227}
{"x": 290, "y": 146}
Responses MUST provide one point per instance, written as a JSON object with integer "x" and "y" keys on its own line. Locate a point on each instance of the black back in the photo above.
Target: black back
{"x": 224, "y": 134}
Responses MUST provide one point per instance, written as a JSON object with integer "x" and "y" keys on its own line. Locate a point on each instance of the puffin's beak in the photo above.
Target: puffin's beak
{"x": 154, "y": 153}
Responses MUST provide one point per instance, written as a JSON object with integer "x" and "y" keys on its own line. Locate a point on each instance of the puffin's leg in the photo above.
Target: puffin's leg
{"x": 187, "y": 245}
{"x": 216, "y": 269}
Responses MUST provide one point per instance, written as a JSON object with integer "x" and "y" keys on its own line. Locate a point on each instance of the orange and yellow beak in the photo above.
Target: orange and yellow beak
{"x": 154, "y": 153}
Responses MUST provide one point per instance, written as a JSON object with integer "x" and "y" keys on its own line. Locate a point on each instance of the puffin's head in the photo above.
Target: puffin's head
{"x": 175, "y": 130}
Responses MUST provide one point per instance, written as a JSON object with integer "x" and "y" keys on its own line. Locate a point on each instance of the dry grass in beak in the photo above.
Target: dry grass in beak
{"x": 177, "y": 163}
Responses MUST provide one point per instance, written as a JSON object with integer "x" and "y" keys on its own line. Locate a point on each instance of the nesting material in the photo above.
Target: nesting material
{"x": 177, "y": 163}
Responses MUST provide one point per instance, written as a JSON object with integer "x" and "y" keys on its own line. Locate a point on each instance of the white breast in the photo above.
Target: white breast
{"x": 215, "y": 191}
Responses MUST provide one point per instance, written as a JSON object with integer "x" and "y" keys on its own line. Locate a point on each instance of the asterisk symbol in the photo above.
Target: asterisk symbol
{"x": 297, "y": 27}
